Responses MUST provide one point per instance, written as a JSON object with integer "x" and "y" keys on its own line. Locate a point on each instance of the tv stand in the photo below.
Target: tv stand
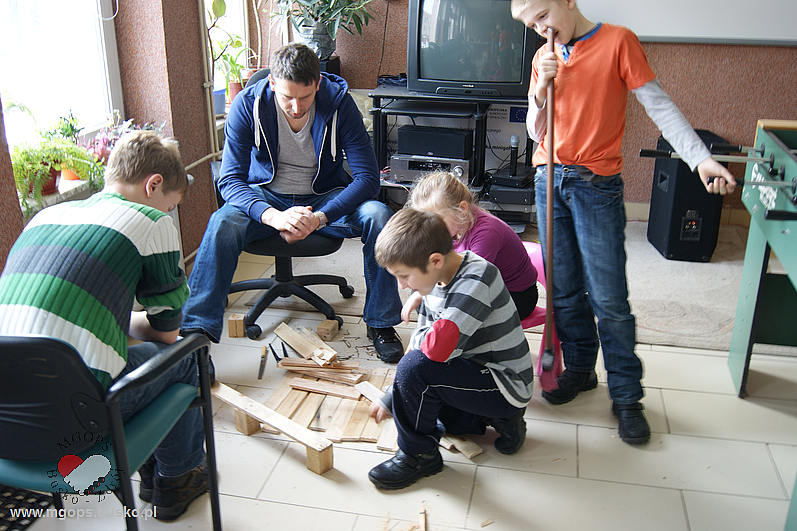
{"x": 398, "y": 101}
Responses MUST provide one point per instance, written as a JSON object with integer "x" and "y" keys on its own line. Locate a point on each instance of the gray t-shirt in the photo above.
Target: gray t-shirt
{"x": 297, "y": 163}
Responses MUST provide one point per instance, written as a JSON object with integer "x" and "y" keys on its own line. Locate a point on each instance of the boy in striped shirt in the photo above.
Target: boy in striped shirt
{"x": 467, "y": 364}
{"x": 75, "y": 272}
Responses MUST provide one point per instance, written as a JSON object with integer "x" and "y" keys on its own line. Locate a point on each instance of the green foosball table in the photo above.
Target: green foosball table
{"x": 767, "y": 307}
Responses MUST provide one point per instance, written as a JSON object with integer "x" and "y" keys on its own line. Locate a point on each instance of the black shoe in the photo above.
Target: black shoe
{"x": 403, "y": 470}
{"x": 569, "y": 384}
{"x": 172, "y": 496}
{"x": 387, "y": 343}
{"x": 146, "y": 472}
{"x": 632, "y": 426}
{"x": 511, "y": 431}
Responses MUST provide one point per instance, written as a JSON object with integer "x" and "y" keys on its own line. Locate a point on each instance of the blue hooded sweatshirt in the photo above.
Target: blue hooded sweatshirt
{"x": 252, "y": 144}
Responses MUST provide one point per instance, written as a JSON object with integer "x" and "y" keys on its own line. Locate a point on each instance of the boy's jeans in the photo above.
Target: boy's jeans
{"x": 589, "y": 276}
{"x": 182, "y": 449}
{"x": 230, "y": 229}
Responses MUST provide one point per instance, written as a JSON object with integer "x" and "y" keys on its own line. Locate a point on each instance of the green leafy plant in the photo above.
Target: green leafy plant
{"x": 333, "y": 14}
{"x": 32, "y": 166}
{"x": 66, "y": 127}
{"x": 232, "y": 59}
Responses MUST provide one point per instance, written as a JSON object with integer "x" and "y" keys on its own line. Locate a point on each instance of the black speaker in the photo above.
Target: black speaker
{"x": 684, "y": 218}
{"x": 435, "y": 141}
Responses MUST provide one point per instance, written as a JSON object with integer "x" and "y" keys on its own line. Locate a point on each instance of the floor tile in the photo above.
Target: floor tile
{"x": 245, "y": 463}
{"x": 516, "y": 501}
{"x": 786, "y": 460}
{"x": 772, "y": 377}
{"x": 244, "y": 514}
{"x": 679, "y": 462}
{"x": 688, "y": 372}
{"x": 710, "y": 512}
{"x": 730, "y": 417}
{"x": 594, "y": 408}
{"x": 388, "y": 523}
{"x": 347, "y": 488}
{"x": 238, "y": 364}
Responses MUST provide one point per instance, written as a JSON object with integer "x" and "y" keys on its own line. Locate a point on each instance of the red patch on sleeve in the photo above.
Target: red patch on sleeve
{"x": 441, "y": 340}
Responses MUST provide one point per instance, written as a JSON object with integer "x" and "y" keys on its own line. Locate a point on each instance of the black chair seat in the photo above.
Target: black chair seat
{"x": 313, "y": 245}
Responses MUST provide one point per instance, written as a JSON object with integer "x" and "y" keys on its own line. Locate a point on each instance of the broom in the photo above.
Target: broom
{"x": 547, "y": 354}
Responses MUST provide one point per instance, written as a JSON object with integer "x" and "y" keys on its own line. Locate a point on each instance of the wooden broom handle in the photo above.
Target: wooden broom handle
{"x": 549, "y": 210}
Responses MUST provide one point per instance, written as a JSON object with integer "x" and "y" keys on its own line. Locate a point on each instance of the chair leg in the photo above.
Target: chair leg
{"x": 58, "y": 503}
{"x": 210, "y": 444}
{"x": 320, "y": 304}
{"x": 125, "y": 490}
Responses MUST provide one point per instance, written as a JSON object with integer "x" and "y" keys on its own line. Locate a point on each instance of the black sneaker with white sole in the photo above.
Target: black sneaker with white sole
{"x": 387, "y": 343}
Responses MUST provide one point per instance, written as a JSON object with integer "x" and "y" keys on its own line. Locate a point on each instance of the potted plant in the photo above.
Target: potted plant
{"x": 231, "y": 59}
{"x": 317, "y": 21}
{"x": 103, "y": 142}
{"x": 36, "y": 168}
{"x": 66, "y": 127}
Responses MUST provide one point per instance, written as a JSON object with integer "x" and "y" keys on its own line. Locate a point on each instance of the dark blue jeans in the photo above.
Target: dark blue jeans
{"x": 230, "y": 230}
{"x": 460, "y": 393}
{"x": 183, "y": 448}
{"x": 589, "y": 276}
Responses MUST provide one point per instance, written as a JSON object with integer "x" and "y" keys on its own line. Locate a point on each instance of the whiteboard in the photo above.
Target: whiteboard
{"x": 709, "y": 21}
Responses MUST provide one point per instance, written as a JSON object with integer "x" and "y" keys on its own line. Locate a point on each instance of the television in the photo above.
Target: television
{"x": 471, "y": 48}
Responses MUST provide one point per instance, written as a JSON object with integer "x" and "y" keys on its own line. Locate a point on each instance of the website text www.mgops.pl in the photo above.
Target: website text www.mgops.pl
{"x": 82, "y": 512}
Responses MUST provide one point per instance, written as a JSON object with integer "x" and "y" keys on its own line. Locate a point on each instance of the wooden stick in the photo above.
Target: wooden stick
{"x": 343, "y": 391}
{"x": 336, "y": 365}
{"x": 549, "y": 207}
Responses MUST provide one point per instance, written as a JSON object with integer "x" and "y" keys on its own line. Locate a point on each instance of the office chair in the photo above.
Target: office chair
{"x": 52, "y": 407}
{"x": 537, "y": 318}
{"x": 283, "y": 283}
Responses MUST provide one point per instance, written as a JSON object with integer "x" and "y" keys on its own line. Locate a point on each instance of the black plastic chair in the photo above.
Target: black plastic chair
{"x": 283, "y": 283}
{"x": 51, "y": 406}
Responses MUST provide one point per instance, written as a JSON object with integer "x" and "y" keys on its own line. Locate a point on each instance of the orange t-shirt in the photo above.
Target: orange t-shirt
{"x": 591, "y": 91}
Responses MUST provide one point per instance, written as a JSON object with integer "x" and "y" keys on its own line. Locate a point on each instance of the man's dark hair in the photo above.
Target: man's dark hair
{"x": 295, "y": 62}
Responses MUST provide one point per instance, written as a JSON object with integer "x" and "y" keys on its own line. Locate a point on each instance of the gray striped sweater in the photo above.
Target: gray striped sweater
{"x": 77, "y": 268}
{"x": 477, "y": 302}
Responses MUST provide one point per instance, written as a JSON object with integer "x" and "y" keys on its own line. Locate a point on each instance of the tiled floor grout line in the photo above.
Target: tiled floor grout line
{"x": 783, "y": 485}
{"x": 686, "y": 511}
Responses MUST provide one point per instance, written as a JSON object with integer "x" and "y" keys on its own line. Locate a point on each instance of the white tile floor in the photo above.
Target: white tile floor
{"x": 714, "y": 462}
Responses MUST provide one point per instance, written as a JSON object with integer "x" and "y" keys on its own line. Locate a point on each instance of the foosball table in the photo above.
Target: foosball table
{"x": 767, "y": 307}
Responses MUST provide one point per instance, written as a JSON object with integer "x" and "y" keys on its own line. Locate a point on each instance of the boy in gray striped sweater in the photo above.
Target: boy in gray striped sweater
{"x": 467, "y": 364}
{"x": 74, "y": 274}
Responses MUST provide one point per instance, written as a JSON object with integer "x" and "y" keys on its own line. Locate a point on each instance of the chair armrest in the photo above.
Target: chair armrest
{"x": 157, "y": 365}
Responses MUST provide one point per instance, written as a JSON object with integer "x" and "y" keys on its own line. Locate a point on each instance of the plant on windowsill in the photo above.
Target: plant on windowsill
{"x": 36, "y": 168}
{"x": 66, "y": 127}
{"x": 317, "y": 21}
{"x": 232, "y": 59}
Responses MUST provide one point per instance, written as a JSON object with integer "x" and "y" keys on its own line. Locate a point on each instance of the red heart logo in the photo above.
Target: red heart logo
{"x": 68, "y": 463}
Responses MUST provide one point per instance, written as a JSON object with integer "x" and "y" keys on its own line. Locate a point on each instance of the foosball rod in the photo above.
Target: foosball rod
{"x": 774, "y": 184}
{"x": 663, "y": 153}
{"x": 734, "y": 148}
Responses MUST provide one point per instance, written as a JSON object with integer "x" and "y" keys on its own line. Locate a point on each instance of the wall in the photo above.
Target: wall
{"x": 160, "y": 59}
{"x": 9, "y": 205}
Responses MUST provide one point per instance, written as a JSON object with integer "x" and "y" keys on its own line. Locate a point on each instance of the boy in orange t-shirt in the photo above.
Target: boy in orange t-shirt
{"x": 593, "y": 68}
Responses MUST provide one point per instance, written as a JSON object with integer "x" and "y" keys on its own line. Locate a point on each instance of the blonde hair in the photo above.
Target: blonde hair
{"x": 410, "y": 237}
{"x": 139, "y": 154}
{"x": 442, "y": 193}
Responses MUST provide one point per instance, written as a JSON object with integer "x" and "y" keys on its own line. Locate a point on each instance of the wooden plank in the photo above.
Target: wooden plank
{"x": 359, "y": 418}
{"x": 244, "y": 423}
{"x": 325, "y": 413}
{"x": 347, "y": 378}
{"x": 319, "y": 449}
{"x": 387, "y": 438}
{"x": 466, "y": 447}
{"x": 307, "y": 411}
{"x": 343, "y": 391}
{"x": 275, "y": 399}
{"x": 340, "y": 420}
{"x": 372, "y": 429}
{"x": 324, "y": 357}
{"x": 235, "y": 325}
{"x": 301, "y": 344}
{"x": 310, "y": 364}
{"x": 313, "y": 337}
{"x": 370, "y": 391}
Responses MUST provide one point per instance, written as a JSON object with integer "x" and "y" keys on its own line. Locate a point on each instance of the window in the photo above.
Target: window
{"x": 232, "y": 23}
{"x": 57, "y": 57}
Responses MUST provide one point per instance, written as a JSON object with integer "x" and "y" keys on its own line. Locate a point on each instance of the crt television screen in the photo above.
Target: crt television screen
{"x": 470, "y": 40}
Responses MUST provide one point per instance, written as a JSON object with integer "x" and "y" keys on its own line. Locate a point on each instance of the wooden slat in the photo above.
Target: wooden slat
{"x": 347, "y": 378}
{"x": 466, "y": 447}
{"x": 359, "y": 418}
{"x": 388, "y": 436}
{"x": 275, "y": 399}
{"x": 371, "y": 430}
{"x": 369, "y": 391}
{"x": 319, "y": 449}
{"x": 343, "y": 391}
{"x": 335, "y": 366}
{"x": 340, "y": 420}
{"x": 307, "y": 411}
{"x": 325, "y": 413}
{"x": 304, "y": 346}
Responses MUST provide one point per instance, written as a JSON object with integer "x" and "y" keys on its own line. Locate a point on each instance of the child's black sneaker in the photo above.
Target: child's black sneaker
{"x": 511, "y": 433}
{"x": 631, "y": 423}
{"x": 569, "y": 384}
{"x": 172, "y": 496}
{"x": 146, "y": 473}
{"x": 402, "y": 470}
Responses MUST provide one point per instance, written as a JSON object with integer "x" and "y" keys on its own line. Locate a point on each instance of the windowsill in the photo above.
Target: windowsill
{"x": 67, "y": 191}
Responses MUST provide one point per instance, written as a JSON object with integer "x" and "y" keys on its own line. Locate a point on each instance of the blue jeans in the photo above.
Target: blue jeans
{"x": 589, "y": 276}
{"x": 183, "y": 448}
{"x": 230, "y": 230}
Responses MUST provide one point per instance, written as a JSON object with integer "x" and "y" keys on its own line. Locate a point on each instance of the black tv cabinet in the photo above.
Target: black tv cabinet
{"x": 398, "y": 101}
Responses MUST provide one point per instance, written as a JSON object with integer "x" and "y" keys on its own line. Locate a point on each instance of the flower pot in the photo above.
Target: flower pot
{"x": 218, "y": 102}
{"x": 69, "y": 175}
{"x": 235, "y": 88}
{"x": 317, "y": 39}
{"x": 51, "y": 185}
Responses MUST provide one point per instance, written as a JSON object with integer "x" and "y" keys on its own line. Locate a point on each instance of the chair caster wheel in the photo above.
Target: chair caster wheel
{"x": 340, "y": 321}
{"x": 253, "y": 332}
{"x": 347, "y": 291}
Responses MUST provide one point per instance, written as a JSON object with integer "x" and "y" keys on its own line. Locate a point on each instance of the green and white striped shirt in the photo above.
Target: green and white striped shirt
{"x": 77, "y": 268}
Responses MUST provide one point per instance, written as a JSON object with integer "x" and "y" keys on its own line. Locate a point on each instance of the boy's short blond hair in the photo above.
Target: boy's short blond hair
{"x": 410, "y": 237}
{"x": 442, "y": 192}
{"x": 139, "y": 154}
